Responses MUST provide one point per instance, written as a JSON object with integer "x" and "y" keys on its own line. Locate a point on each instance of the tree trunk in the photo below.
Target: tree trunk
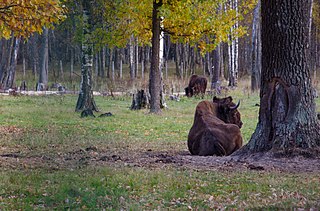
{"x": 85, "y": 99}
{"x": 2, "y": 59}
{"x": 256, "y": 49}
{"x": 35, "y": 55}
{"x": 103, "y": 62}
{"x": 112, "y": 71}
{"x": 131, "y": 57}
{"x": 155, "y": 74}
{"x": 10, "y": 83}
{"x": 43, "y": 75}
{"x": 179, "y": 73}
{"x": 121, "y": 62}
{"x": 61, "y": 71}
{"x": 142, "y": 62}
{"x": 233, "y": 50}
{"x": 71, "y": 64}
{"x": 215, "y": 83}
{"x": 6, "y": 64}
{"x": 110, "y": 63}
{"x": 287, "y": 118}
{"x": 136, "y": 58}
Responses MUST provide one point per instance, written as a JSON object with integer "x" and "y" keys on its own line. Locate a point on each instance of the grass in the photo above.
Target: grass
{"x": 137, "y": 188}
{"x": 34, "y": 127}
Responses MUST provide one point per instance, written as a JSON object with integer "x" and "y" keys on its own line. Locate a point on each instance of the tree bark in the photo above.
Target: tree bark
{"x": 288, "y": 122}
{"x": 179, "y": 73}
{"x": 233, "y": 50}
{"x": 6, "y": 62}
{"x": 131, "y": 57}
{"x": 85, "y": 99}
{"x": 121, "y": 62}
{"x": 155, "y": 74}
{"x": 256, "y": 49}
{"x": 215, "y": 83}
{"x": 3, "y": 60}
{"x": 10, "y": 82}
{"x": 43, "y": 74}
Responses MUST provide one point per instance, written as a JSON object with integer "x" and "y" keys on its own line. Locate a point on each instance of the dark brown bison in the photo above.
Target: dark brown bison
{"x": 216, "y": 128}
{"x": 197, "y": 85}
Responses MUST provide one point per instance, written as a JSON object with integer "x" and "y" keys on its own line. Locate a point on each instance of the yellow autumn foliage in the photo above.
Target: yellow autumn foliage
{"x": 21, "y": 18}
{"x": 192, "y": 21}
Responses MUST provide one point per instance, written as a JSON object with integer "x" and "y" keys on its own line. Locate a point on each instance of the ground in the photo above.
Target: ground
{"x": 150, "y": 158}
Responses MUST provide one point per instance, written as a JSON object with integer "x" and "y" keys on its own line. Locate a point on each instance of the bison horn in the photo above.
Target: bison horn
{"x": 236, "y": 106}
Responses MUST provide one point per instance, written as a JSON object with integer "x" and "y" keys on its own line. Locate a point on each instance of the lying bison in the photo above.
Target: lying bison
{"x": 197, "y": 85}
{"x": 216, "y": 128}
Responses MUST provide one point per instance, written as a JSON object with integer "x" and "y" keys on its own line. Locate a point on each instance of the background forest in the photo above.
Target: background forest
{"x": 122, "y": 52}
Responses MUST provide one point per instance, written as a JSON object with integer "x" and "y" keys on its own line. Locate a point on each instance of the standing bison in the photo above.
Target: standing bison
{"x": 197, "y": 85}
{"x": 216, "y": 128}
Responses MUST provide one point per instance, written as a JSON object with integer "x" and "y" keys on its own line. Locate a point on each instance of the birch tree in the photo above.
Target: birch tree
{"x": 85, "y": 99}
{"x": 256, "y": 48}
{"x": 233, "y": 47}
{"x": 7, "y": 73}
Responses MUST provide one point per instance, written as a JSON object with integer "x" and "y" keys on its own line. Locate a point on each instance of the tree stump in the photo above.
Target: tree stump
{"x": 140, "y": 100}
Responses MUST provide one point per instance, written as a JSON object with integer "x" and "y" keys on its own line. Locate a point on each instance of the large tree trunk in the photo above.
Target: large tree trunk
{"x": 155, "y": 74}
{"x": 287, "y": 118}
{"x": 85, "y": 99}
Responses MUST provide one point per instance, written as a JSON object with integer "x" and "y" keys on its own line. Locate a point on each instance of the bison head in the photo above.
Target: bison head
{"x": 228, "y": 110}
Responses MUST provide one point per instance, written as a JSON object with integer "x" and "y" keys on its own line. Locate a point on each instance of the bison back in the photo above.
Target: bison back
{"x": 206, "y": 145}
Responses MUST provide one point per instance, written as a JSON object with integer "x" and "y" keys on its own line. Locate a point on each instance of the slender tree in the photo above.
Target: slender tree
{"x": 85, "y": 99}
{"x": 287, "y": 117}
{"x": 256, "y": 48}
{"x": 44, "y": 52}
{"x": 9, "y": 79}
{"x": 155, "y": 73}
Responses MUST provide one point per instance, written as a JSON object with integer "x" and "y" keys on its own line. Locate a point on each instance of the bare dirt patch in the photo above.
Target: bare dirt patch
{"x": 8, "y": 130}
{"x": 150, "y": 158}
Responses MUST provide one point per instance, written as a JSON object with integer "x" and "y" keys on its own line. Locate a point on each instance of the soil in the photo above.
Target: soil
{"x": 146, "y": 156}
{"x": 151, "y": 159}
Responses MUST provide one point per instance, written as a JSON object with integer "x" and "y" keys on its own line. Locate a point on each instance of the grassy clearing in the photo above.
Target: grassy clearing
{"x": 48, "y": 126}
{"x": 136, "y": 189}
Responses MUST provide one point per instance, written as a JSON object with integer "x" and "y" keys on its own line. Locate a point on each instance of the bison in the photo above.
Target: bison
{"x": 216, "y": 128}
{"x": 197, "y": 85}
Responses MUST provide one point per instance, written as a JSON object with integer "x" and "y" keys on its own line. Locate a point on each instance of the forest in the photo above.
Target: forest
{"x": 61, "y": 60}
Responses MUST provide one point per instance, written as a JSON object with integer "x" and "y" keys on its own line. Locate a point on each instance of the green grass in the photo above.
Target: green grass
{"x": 135, "y": 188}
{"x": 48, "y": 126}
